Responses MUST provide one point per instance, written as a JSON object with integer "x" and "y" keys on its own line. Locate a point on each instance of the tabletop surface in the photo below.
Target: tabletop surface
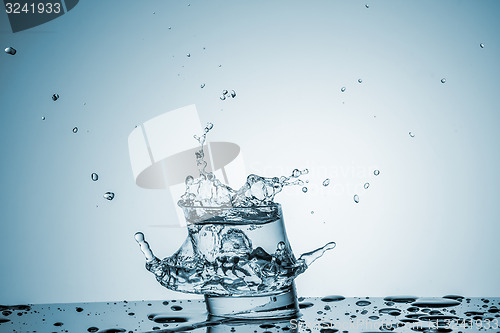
{"x": 318, "y": 314}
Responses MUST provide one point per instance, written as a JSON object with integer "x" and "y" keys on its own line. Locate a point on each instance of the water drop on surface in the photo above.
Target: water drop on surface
{"x": 55, "y": 97}
{"x": 443, "y": 80}
{"x": 376, "y": 172}
{"x": 356, "y": 198}
{"x": 360, "y": 81}
{"x": 202, "y": 85}
{"x": 411, "y": 134}
{"x": 366, "y": 185}
{"x": 326, "y": 182}
{"x": 94, "y": 176}
{"x": 10, "y": 50}
{"x": 481, "y": 45}
{"x": 75, "y": 129}
{"x": 342, "y": 89}
{"x": 304, "y": 189}
{"x": 109, "y": 195}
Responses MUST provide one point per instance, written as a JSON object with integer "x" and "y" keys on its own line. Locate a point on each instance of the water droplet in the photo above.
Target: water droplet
{"x": 366, "y": 186}
{"x": 188, "y": 55}
{"x": 435, "y": 303}
{"x": 92, "y": 329}
{"x": 305, "y": 305}
{"x": 10, "y": 50}
{"x": 411, "y": 134}
{"x": 443, "y": 80}
{"x": 363, "y": 303}
{"x": 58, "y": 324}
{"x": 169, "y": 28}
{"x": 233, "y": 93}
{"x": 356, "y": 198}
{"x": 176, "y": 307}
{"x": 312, "y": 211}
{"x": 360, "y": 81}
{"x": 333, "y": 298}
{"x": 75, "y": 129}
{"x": 55, "y": 97}
{"x": 481, "y": 45}
{"x": 224, "y": 92}
{"x": 109, "y": 195}
{"x": 401, "y": 299}
{"x": 342, "y": 89}
{"x": 326, "y": 182}
{"x": 222, "y": 98}
{"x": 43, "y": 118}
{"x": 304, "y": 189}
{"x": 367, "y": 6}
{"x": 79, "y": 309}
{"x": 202, "y": 85}
{"x": 220, "y": 66}
{"x": 94, "y": 176}
{"x": 376, "y": 172}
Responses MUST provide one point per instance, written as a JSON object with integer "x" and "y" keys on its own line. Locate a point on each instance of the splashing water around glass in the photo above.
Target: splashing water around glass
{"x": 237, "y": 246}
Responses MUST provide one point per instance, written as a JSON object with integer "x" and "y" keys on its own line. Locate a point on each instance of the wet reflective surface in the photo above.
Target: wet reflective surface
{"x": 332, "y": 313}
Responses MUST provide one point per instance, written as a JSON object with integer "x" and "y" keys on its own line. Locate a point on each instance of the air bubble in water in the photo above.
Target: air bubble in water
{"x": 94, "y": 176}
{"x": 304, "y": 189}
{"x": 75, "y": 129}
{"x": 55, "y": 97}
{"x": 356, "y": 198}
{"x": 342, "y": 89}
{"x": 10, "y": 50}
{"x": 443, "y": 80}
{"x": 376, "y": 172}
{"x": 411, "y": 134}
{"x": 481, "y": 45}
{"x": 326, "y": 182}
{"x": 366, "y": 185}
{"x": 360, "y": 81}
{"x": 109, "y": 195}
{"x": 202, "y": 85}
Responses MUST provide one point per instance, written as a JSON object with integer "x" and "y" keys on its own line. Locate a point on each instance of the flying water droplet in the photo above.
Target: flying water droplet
{"x": 43, "y": 118}
{"x": 367, "y": 6}
{"x": 342, "y": 89}
{"x": 481, "y": 45}
{"x": 188, "y": 55}
{"x": 356, "y": 198}
{"x": 202, "y": 85}
{"x": 222, "y": 98}
{"x": 411, "y": 134}
{"x": 94, "y": 176}
{"x": 109, "y": 195}
{"x": 326, "y": 182}
{"x": 75, "y": 129}
{"x": 360, "y": 81}
{"x": 312, "y": 212}
{"x": 443, "y": 80}
{"x": 55, "y": 97}
{"x": 233, "y": 93}
{"x": 366, "y": 186}
{"x": 376, "y": 172}
{"x": 304, "y": 189}
{"x": 224, "y": 92}
{"x": 10, "y": 50}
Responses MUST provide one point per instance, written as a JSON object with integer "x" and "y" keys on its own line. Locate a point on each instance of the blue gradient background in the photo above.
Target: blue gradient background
{"x": 428, "y": 224}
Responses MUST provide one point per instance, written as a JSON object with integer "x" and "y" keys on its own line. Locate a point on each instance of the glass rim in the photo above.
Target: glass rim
{"x": 274, "y": 205}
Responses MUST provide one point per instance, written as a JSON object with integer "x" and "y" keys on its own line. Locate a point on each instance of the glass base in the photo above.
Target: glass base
{"x": 280, "y": 305}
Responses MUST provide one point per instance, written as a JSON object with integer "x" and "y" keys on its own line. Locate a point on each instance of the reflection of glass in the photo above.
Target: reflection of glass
{"x": 239, "y": 258}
